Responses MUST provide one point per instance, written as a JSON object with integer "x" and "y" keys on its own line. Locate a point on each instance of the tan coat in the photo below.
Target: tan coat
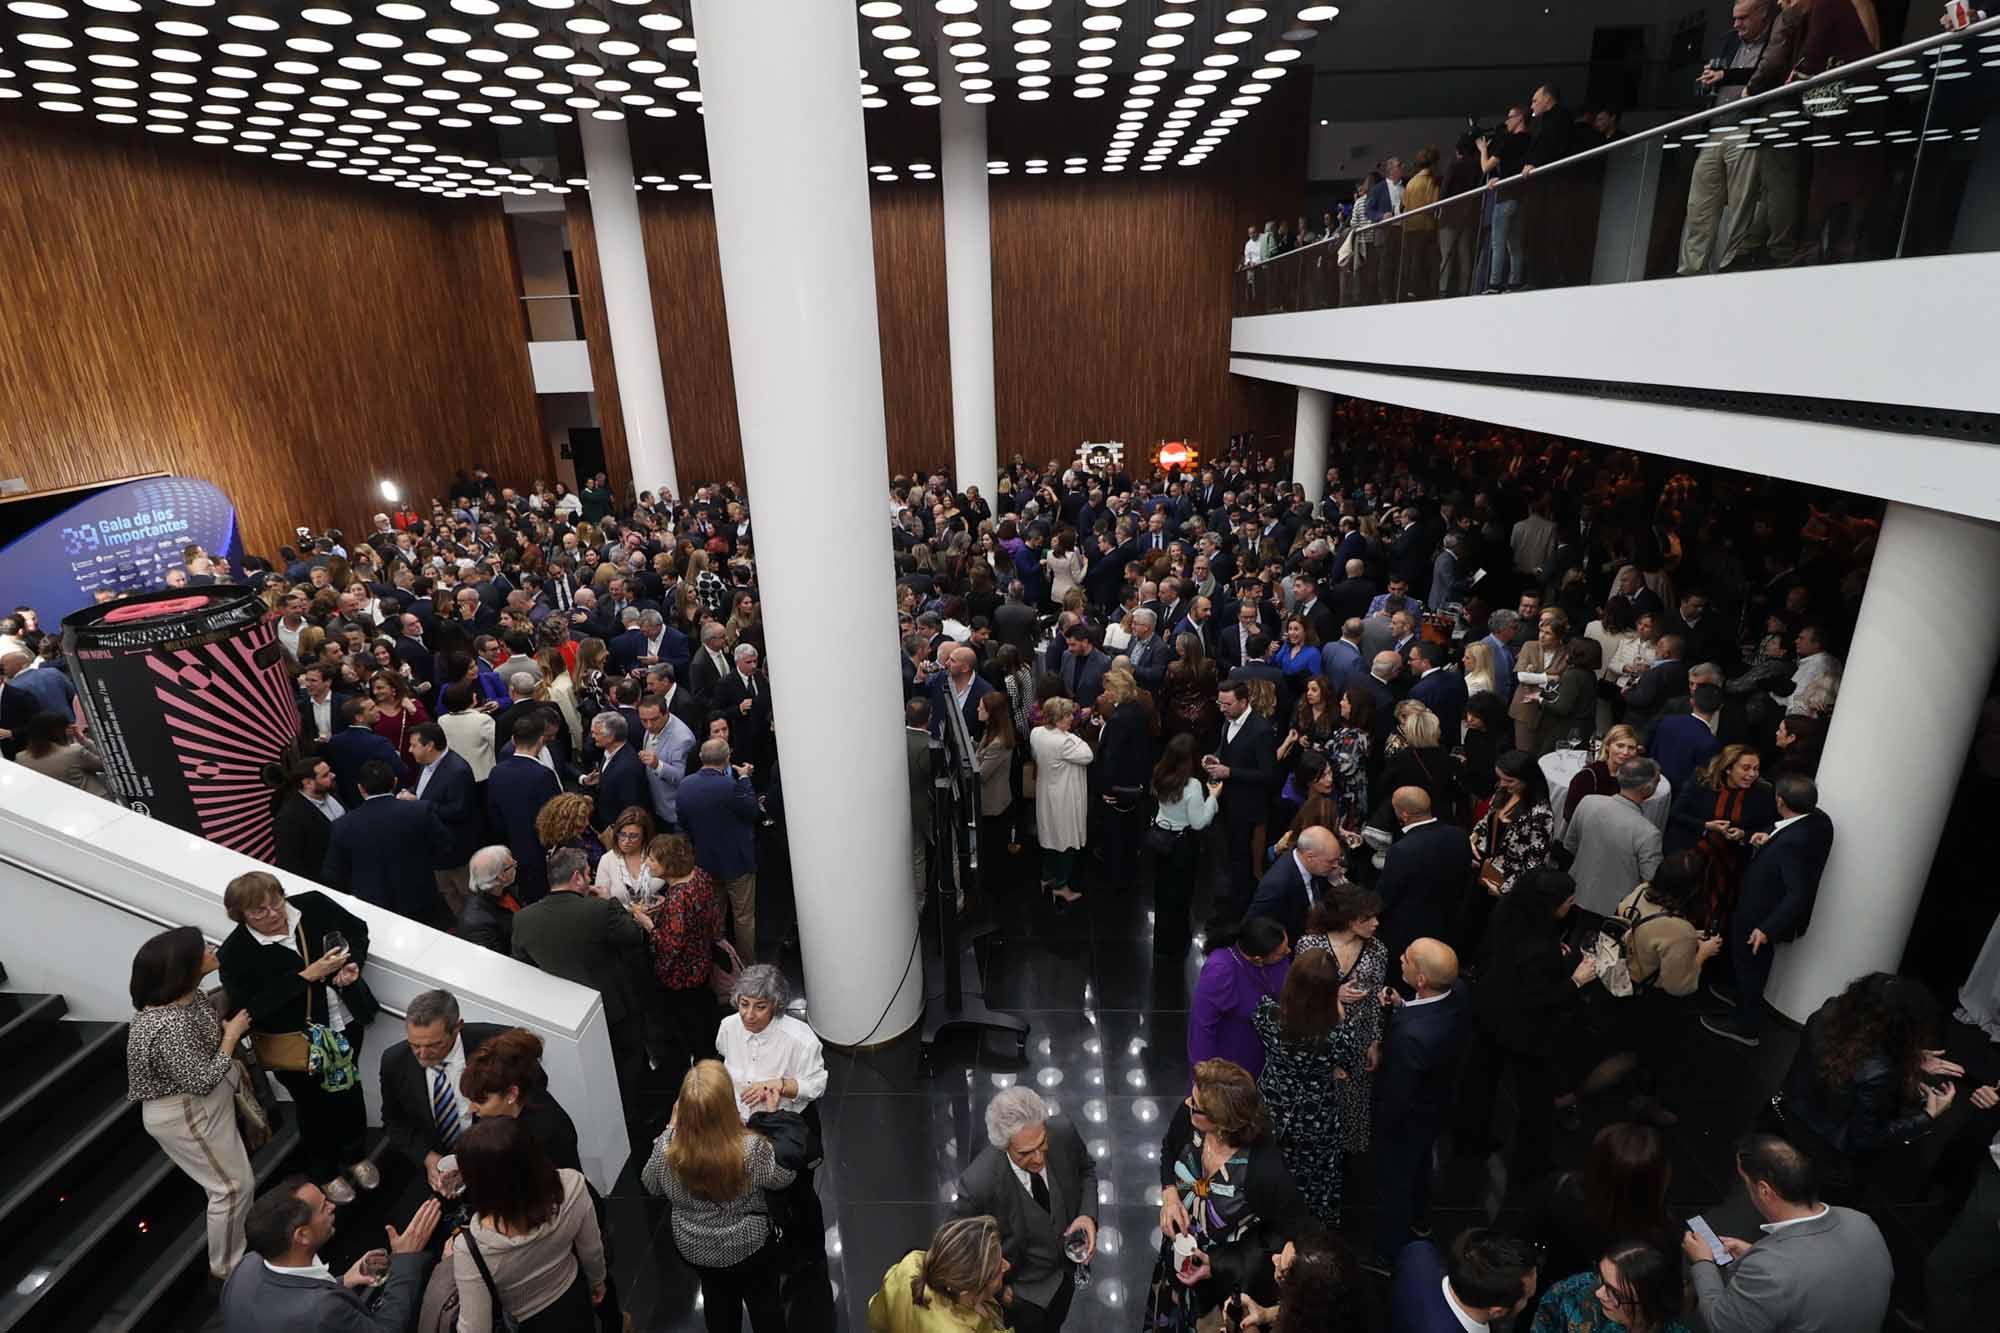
{"x": 1526, "y": 706}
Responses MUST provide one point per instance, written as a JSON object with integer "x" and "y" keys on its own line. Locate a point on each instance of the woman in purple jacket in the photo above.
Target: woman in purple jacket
{"x": 1238, "y": 974}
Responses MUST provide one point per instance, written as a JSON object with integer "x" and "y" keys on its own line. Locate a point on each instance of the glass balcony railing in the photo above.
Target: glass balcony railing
{"x": 1888, "y": 156}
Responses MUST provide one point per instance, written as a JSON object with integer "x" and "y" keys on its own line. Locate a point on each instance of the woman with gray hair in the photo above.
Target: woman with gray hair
{"x": 775, "y": 1060}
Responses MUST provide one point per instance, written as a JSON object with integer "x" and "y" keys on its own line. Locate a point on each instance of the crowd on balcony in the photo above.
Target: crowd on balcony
{"x": 1393, "y": 761}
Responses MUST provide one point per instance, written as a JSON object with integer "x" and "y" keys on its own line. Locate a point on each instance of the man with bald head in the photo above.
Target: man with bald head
{"x": 958, "y": 684}
{"x": 1422, "y": 1044}
{"x": 1377, "y": 682}
{"x": 1424, "y": 880}
{"x": 1295, "y": 882}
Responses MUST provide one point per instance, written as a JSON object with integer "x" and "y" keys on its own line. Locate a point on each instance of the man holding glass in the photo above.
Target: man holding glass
{"x": 423, "y": 1111}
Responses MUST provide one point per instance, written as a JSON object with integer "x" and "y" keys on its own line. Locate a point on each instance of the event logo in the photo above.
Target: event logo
{"x": 121, "y": 540}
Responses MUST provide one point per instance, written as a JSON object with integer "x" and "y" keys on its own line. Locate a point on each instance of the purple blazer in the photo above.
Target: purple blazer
{"x": 1225, "y": 1002}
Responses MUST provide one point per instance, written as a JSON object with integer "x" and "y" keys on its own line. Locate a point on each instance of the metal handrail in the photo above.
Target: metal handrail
{"x": 1734, "y": 108}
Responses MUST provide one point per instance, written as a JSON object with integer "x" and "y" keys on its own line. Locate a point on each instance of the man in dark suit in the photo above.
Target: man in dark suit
{"x": 1246, "y": 764}
{"x": 384, "y": 851}
{"x": 1037, "y": 1178}
{"x": 1776, "y": 902}
{"x": 423, "y": 1111}
{"x": 961, "y": 680}
{"x": 1490, "y": 1278}
{"x": 444, "y": 783}
{"x": 1441, "y": 691}
{"x": 1082, "y": 666}
{"x": 709, "y": 664}
{"x": 1384, "y": 667}
{"x": 280, "y": 1283}
{"x": 320, "y": 716}
{"x": 1015, "y": 622}
{"x": 516, "y": 790}
{"x": 1422, "y": 1042}
{"x": 596, "y": 943}
{"x": 619, "y": 780}
{"x": 1258, "y": 668}
{"x": 1350, "y": 598}
{"x": 1297, "y": 880}
{"x": 1307, "y": 602}
{"x": 1651, "y": 695}
{"x": 410, "y": 649}
{"x": 1423, "y": 881}
{"x": 720, "y": 814}
{"x": 1232, "y": 644}
{"x": 744, "y": 697}
{"x": 1106, "y": 573}
{"x": 305, "y": 818}
{"x": 357, "y": 744}
{"x": 626, "y": 647}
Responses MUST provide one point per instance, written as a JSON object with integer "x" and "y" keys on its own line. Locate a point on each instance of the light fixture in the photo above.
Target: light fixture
{"x": 956, "y": 6}
{"x": 1319, "y": 13}
{"x": 891, "y": 32}
{"x": 1103, "y": 23}
{"x": 880, "y": 9}
{"x": 1244, "y": 17}
{"x": 1233, "y": 37}
{"x": 1173, "y": 18}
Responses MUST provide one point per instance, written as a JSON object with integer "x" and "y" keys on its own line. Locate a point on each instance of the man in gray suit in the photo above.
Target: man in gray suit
{"x": 281, "y": 1283}
{"x": 1817, "y": 1268}
{"x": 1615, "y": 845}
{"x": 1036, "y": 1172}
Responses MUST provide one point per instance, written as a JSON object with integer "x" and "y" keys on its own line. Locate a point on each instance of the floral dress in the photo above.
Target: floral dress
{"x": 1348, "y": 753}
{"x": 1355, "y": 1093}
{"x": 1570, "y": 1306}
{"x": 1298, "y": 1085}
{"x": 1520, "y": 844}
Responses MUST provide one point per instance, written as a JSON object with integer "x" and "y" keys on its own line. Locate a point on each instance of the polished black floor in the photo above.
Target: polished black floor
{"x": 1108, "y": 1048}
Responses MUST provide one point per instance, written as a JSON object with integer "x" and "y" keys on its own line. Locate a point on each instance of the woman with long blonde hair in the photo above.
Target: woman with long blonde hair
{"x": 952, "y": 1287}
{"x": 714, "y": 1172}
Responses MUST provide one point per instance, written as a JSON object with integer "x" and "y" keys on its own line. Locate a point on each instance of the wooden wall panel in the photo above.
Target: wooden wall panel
{"x": 597, "y": 343}
{"x": 291, "y": 339}
{"x": 1111, "y": 293}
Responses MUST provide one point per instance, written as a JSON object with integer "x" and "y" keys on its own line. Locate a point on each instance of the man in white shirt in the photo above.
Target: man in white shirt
{"x": 1814, "y": 661}
{"x": 286, "y": 1285}
{"x": 292, "y": 623}
{"x": 1253, "y": 250}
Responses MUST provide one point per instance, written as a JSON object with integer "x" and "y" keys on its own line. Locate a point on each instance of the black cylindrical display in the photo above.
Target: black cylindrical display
{"x": 190, "y": 706}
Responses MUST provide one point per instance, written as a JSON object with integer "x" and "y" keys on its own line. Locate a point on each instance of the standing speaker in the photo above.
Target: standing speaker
{"x": 191, "y": 707}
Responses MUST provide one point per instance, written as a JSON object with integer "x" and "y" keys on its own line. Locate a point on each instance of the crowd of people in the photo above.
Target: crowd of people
{"x": 1477, "y": 773}
{"x": 1746, "y": 207}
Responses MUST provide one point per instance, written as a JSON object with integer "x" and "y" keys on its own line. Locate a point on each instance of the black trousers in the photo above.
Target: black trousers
{"x": 1027, "y": 1317}
{"x": 1966, "y": 1258}
{"x": 751, "y": 1283}
{"x": 690, "y": 1019}
{"x": 1402, "y": 1177}
{"x": 333, "y": 1126}
{"x": 1173, "y": 895}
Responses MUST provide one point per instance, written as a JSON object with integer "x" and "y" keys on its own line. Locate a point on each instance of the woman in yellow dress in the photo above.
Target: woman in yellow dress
{"x": 953, "y": 1287}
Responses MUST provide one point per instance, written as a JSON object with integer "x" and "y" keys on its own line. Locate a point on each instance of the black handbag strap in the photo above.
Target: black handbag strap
{"x": 500, "y": 1317}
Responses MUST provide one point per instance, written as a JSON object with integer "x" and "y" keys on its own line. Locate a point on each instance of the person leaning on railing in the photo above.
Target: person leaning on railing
{"x": 1419, "y": 279}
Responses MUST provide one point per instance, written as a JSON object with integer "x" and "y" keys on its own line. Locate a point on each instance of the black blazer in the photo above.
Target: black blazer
{"x": 302, "y": 833}
{"x": 406, "y": 1094}
{"x": 621, "y": 783}
{"x": 309, "y": 732}
{"x": 1253, "y": 765}
{"x": 746, "y": 730}
{"x": 1423, "y": 884}
{"x": 1421, "y": 1048}
{"x": 351, "y": 747}
{"x": 1284, "y": 895}
{"x": 1443, "y": 692}
{"x": 1124, "y": 752}
{"x": 1089, "y": 671}
{"x": 1280, "y": 1212}
{"x": 17, "y": 706}
{"x": 264, "y": 978}
{"x": 384, "y": 851}
{"x": 702, "y": 677}
{"x": 1782, "y": 880}
{"x": 516, "y": 791}
{"x": 591, "y": 941}
{"x": 486, "y": 923}
{"x": 453, "y": 797}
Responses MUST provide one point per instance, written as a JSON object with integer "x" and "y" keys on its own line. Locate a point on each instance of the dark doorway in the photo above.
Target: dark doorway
{"x": 586, "y": 452}
{"x": 1617, "y": 69}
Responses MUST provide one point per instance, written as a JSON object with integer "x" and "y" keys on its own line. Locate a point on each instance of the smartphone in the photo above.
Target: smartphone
{"x": 1699, "y": 1225}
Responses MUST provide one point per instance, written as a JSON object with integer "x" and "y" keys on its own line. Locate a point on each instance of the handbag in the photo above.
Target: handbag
{"x": 253, "y": 1122}
{"x": 725, "y": 965}
{"x": 1162, "y": 842}
{"x": 502, "y": 1321}
{"x": 288, "y": 1052}
{"x": 1028, "y": 780}
{"x": 1491, "y": 876}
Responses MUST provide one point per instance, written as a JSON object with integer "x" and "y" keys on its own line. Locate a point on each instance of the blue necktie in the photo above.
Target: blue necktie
{"x": 444, "y": 1108}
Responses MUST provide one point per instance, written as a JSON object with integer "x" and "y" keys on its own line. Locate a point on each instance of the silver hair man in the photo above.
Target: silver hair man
{"x": 1015, "y": 1109}
{"x": 489, "y": 866}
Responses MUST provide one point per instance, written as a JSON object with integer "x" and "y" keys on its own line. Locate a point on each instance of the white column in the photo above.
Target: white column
{"x": 1921, "y": 661}
{"x": 1309, "y": 439}
{"x": 783, "y": 122}
{"x": 968, "y": 283}
{"x": 628, "y": 303}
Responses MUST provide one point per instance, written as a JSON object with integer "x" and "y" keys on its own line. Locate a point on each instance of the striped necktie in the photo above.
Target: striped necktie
{"x": 444, "y": 1108}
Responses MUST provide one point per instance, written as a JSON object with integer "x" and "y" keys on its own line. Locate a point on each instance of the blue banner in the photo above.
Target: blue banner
{"x": 119, "y": 540}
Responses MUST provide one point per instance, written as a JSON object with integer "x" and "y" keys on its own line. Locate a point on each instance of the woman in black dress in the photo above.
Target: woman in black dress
{"x": 280, "y": 965}
{"x": 1307, "y": 1049}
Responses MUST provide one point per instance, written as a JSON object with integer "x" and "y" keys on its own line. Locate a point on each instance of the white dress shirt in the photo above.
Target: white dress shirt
{"x": 1230, "y": 728}
{"x": 786, "y": 1048}
{"x": 454, "y": 1070}
{"x": 328, "y": 805}
{"x": 323, "y": 714}
{"x": 1466, "y": 1321}
{"x": 316, "y": 1269}
{"x": 1782, "y": 825}
{"x": 1773, "y": 1228}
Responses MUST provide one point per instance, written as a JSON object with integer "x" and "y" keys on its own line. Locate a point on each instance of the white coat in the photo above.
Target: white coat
{"x": 1062, "y": 788}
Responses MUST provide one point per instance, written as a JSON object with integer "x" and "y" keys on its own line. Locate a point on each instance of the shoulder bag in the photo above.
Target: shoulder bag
{"x": 1491, "y": 875}
{"x": 288, "y": 1052}
{"x": 502, "y": 1321}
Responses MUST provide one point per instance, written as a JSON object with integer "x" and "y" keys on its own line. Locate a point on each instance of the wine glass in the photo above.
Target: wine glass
{"x": 333, "y": 942}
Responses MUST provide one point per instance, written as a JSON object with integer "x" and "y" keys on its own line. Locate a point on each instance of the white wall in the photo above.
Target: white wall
{"x": 560, "y": 367}
{"x": 62, "y": 941}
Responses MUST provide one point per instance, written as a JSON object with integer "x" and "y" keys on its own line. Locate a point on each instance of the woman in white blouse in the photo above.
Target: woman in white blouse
{"x": 624, "y": 875}
{"x": 774, "y": 1060}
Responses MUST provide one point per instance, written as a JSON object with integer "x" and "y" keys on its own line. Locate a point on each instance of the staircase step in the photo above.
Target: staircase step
{"x": 19, "y": 1011}
{"x": 53, "y": 1144}
{"x": 49, "y": 1056}
{"x": 36, "y": 1263}
{"x": 175, "y": 1278}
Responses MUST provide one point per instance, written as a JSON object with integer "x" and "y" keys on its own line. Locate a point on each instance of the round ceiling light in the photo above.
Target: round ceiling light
{"x": 1319, "y": 13}
{"x": 962, "y": 28}
{"x": 880, "y": 9}
{"x": 1245, "y": 17}
{"x": 400, "y": 11}
{"x": 115, "y": 6}
{"x": 480, "y": 8}
{"x": 104, "y": 32}
{"x": 253, "y": 22}
{"x": 956, "y": 6}
{"x": 1097, "y": 43}
{"x": 967, "y": 50}
{"x": 660, "y": 22}
{"x": 1164, "y": 41}
{"x": 891, "y": 32}
{"x": 1280, "y": 56}
{"x": 1233, "y": 37}
{"x": 1032, "y": 27}
{"x": 1103, "y": 23}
